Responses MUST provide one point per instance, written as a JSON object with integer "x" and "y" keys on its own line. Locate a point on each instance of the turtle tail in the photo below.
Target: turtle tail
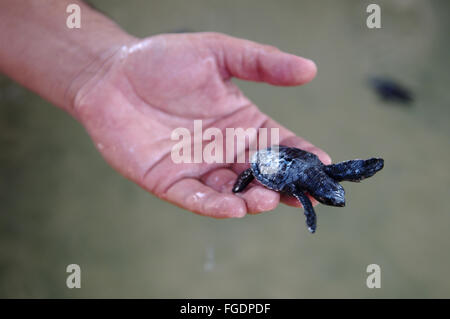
{"x": 354, "y": 170}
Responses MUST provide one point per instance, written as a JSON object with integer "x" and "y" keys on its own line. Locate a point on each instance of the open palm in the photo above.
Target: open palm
{"x": 149, "y": 88}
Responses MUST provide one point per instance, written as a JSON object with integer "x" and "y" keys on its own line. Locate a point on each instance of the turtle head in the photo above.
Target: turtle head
{"x": 328, "y": 192}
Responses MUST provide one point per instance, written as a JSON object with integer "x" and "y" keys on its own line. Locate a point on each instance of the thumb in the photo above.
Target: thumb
{"x": 252, "y": 61}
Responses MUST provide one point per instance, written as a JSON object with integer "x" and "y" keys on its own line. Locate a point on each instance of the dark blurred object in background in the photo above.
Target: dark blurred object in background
{"x": 390, "y": 90}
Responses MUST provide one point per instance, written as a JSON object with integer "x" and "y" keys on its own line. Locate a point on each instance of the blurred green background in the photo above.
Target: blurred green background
{"x": 60, "y": 203}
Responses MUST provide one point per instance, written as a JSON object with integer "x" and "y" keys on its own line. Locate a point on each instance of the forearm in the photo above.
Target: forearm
{"x": 39, "y": 51}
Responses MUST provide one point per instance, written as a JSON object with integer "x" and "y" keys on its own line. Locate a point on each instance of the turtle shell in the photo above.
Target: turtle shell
{"x": 279, "y": 167}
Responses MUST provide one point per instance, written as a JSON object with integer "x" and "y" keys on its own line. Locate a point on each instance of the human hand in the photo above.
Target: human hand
{"x": 150, "y": 87}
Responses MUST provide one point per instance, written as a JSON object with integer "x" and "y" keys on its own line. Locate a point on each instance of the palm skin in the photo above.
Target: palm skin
{"x": 150, "y": 87}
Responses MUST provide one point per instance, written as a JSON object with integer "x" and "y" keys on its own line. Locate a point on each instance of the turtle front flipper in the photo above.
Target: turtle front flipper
{"x": 243, "y": 180}
{"x": 354, "y": 170}
{"x": 310, "y": 214}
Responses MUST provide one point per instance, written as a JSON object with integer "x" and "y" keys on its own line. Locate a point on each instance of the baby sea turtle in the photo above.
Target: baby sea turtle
{"x": 296, "y": 172}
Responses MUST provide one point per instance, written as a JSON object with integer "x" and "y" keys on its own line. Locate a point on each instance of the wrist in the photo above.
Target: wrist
{"x": 95, "y": 62}
{"x": 40, "y": 52}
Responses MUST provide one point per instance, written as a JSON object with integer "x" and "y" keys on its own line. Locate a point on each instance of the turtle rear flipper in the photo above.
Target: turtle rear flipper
{"x": 245, "y": 178}
{"x": 354, "y": 170}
